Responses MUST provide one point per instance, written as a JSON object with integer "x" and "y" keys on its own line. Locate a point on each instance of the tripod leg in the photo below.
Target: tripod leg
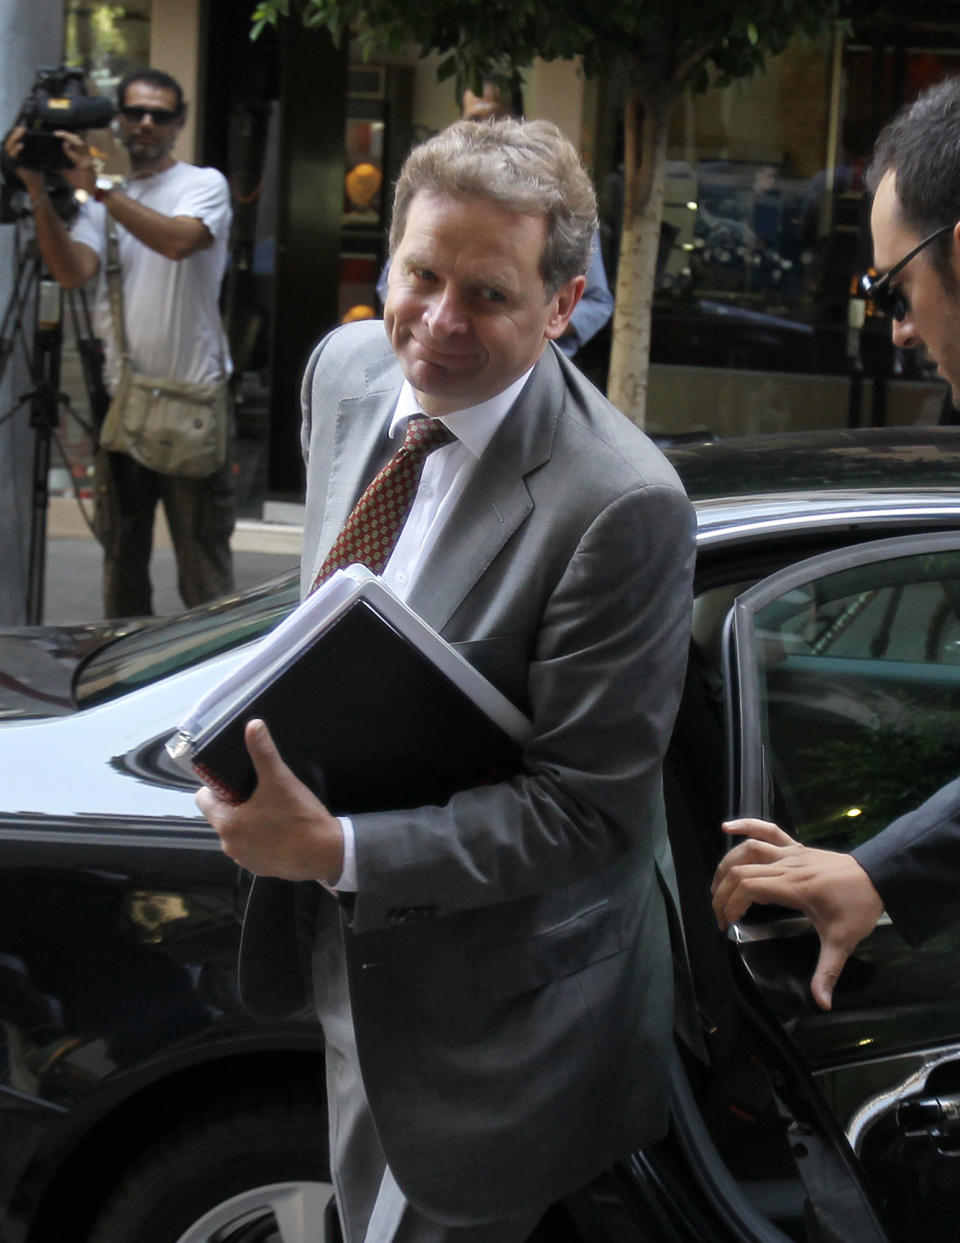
{"x": 90, "y": 350}
{"x": 44, "y": 416}
{"x": 25, "y": 281}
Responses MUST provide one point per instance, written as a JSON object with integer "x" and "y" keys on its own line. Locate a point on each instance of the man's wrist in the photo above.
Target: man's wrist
{"x": 346, "y": 878}
{"x": 103, "y": 187}
{"x": 35, "y": 184}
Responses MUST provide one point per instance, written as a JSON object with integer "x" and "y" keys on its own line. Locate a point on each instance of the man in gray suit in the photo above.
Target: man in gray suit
{"x": 493, "y": 976}
{"x": 910, "y": 868}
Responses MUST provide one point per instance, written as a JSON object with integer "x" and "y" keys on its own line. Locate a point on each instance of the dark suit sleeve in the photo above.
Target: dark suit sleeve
{"x": 914, "y": 865}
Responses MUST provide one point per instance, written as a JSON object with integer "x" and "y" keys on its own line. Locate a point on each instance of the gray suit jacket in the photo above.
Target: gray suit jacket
{"x": 508, "y": 956}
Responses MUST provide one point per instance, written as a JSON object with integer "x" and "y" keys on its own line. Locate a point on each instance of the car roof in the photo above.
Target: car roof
{"x": 868, "y": 478}
{"x": 877, "y": 457}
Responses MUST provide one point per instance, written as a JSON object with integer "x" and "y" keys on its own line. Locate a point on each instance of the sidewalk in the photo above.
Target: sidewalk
{"x": 73, "y": 576}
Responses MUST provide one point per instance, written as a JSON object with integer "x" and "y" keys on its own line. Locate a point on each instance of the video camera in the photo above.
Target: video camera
{"x": 57, "y": 100}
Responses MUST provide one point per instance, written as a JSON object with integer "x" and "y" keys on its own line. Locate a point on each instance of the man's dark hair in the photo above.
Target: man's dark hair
{"x": 921, "y": 146}
{"x": 514, "y": 93}
{"x": 152, "y": 77}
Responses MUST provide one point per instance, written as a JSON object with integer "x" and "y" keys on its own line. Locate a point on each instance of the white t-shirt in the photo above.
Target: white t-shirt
{"x": 171, "y": 307}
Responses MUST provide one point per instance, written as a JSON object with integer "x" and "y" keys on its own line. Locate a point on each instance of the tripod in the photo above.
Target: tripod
{"x": 33, "y": 291}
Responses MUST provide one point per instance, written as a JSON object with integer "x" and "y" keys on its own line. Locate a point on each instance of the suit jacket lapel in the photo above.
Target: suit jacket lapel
{"x": 358, "y": 447}
{"x": 496, "y": 499}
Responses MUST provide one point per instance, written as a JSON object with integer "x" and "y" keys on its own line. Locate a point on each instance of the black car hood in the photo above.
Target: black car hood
{"x": 38, "y": 663}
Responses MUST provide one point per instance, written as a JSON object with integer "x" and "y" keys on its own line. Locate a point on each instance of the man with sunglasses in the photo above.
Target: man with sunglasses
{"x": 911, "y": 868}
{"x": 172, "y": 222}
{"x": 915, "y": 221}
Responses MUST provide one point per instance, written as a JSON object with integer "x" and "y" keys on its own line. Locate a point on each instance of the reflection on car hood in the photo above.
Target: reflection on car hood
{"x": 37, "y": 664}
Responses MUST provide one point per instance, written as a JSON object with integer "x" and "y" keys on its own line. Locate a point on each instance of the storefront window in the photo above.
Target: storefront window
{"x": 107, "y": 41}
{"x": 745, "y": 180}
{"x": 758, "y": 324}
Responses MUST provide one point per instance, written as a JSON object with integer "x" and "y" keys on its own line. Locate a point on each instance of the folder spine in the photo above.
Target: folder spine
{"x": 215, "y": 783}
{"x": 181, "y": 748}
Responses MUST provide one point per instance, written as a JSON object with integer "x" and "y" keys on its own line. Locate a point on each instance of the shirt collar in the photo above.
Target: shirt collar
{"x": 133, "y": 176}
{"x": 473, "y": 426}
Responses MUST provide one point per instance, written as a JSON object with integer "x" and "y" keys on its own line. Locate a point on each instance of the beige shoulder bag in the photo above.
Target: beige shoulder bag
{"x": 171, "y": 426}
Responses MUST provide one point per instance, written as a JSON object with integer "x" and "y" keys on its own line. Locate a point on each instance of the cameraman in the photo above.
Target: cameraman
{"x": 173, "y": 222}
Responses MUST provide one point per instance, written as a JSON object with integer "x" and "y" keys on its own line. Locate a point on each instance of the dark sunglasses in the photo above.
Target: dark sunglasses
{"x": 892, "y": 300}
{"x": 161, "y": 116}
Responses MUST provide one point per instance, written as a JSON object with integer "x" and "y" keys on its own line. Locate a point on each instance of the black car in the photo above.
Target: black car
{"x": 139, "y": 1104}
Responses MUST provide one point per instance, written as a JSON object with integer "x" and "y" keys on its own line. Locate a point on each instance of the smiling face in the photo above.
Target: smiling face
{"x": 148, "y": 143}
{"x": 933, "y": 311}
{"x": 467, "y": 312}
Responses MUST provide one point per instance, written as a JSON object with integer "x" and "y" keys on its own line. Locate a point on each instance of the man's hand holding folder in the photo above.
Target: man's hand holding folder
{"x": 283, "y": 829}
{"x": 411, "y": 721}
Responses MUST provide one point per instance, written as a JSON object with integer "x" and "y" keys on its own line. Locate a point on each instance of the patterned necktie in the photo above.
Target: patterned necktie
{"x": 373, "y": 528}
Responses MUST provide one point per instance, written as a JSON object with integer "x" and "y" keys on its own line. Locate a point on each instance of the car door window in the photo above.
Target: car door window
{"x": 850, "y": 683}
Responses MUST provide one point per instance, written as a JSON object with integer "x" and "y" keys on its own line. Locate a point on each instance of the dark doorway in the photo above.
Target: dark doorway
{"x": 273, "y": 121}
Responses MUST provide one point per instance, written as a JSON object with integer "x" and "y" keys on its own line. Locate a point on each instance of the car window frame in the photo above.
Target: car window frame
{"x": 749, "y": 785}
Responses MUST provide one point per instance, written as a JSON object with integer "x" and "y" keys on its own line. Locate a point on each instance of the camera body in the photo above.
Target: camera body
{"x": 58, "y": 99}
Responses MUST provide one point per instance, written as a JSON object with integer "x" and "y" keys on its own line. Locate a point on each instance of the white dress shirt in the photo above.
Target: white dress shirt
{"x": 445, "y": 474}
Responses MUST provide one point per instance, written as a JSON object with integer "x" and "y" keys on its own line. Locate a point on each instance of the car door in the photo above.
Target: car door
{"x": 843, "y": 709}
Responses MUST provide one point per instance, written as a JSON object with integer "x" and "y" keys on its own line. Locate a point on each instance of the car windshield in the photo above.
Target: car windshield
{"x": 170, "y": 646}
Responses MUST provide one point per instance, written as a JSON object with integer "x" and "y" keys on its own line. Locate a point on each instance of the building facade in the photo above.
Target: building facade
{"x": 757, "y": 323}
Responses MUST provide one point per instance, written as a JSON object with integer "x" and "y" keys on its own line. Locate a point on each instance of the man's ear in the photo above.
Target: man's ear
{"x": 564, "y": 304}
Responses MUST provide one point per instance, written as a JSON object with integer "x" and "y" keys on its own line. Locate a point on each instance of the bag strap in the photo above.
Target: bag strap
{"x": 114, "y": 279}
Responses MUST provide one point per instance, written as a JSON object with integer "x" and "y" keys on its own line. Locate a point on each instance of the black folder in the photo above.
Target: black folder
{"x": 367, "y": 704}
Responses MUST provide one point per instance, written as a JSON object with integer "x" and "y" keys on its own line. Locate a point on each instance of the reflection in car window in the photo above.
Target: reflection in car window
{"x": 169, "y": 647}
{"x": 860, "y": 695}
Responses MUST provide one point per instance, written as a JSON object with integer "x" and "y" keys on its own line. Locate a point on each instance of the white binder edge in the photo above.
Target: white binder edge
{"x": 278, "y": 649}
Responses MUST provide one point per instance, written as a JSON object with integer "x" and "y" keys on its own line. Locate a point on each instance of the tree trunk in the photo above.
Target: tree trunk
{"x": 646, "y": 123}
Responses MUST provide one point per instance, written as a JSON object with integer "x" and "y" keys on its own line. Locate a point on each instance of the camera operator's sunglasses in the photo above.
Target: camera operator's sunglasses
{"x": 161, "y": 116}
{"x": 892, "y": 300}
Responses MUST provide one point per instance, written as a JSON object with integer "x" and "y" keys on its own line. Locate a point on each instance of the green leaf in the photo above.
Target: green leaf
{"x": 266, "y": 13}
